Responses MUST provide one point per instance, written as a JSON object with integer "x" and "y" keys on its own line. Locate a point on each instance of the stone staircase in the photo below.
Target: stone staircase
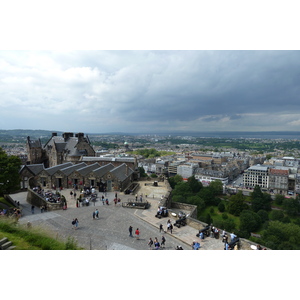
{"x": 5, "y": 244}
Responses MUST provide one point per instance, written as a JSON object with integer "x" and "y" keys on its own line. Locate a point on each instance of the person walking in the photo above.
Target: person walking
{"x": 163, "y": 242}
{"x": 150, "y": 243}
{"x": 137, "y": 234}
{"x": 161, "y": 228}
{"x": 94, "y": 215}
{"x": 130, "y": 231}
{"x": 76, "y": 223}
{"x": 97, "y": 213}
{"x": 201, "y": 235}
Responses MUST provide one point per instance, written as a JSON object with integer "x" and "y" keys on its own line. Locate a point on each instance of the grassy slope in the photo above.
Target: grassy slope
{"x": 33, "y": 238}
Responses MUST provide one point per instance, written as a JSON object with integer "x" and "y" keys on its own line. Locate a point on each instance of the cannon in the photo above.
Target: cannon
{"x": 205, "y": 231}
{"x": 180, "y": 222}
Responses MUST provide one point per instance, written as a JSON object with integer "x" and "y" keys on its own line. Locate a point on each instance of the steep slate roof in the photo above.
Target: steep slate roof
{"x": 103, "y": 170}
{"x": 120, "y": 172}
{"x": 54, "y": 169}
{"x": 34, "y": 168}
{"x": 34, "y": 143}
{"x": 85, "y": 170}
{"x": 69, "y": 145}
{"x": 68, "y": 170}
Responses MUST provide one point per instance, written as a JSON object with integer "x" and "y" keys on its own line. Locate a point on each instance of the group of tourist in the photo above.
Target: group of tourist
{"x": 156, "y": 243}
{"x": 14, "y": 212}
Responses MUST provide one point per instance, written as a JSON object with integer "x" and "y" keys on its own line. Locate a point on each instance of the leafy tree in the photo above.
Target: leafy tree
{"x": 291, "y": 206}
{"x": 175, "y": 180}
{"x": 226, "y": 224}
{"x": 279, "y": 199}
{"x": 224, "y": 216}
{"x": 194, "y": 184}
{"x": 221, "y": 207}
{"x": 206, "y": 218}
{"x": 208, "y": 196}
{"x": 249, "y": 221}
{"x": 281, "y": 236}
{"x": 217, "y": 187}
{"x": 260, "y": 200}
{"x": 257, "y": 199}
{"x": 182, "y": 189}
{"x": 263, "y": 215}
{"x": 276, "y": 215}
{"x": 9, "y": 172}
{"x": 237, "y": 204}
{"x": 267, "y": 204}
{"x": 142, "y": 172}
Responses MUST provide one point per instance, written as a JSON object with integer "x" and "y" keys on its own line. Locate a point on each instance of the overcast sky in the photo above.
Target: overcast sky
{"x": 150, "y": 91}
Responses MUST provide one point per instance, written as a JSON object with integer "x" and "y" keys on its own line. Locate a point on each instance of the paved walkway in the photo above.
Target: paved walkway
{"x": 110, "y": 231}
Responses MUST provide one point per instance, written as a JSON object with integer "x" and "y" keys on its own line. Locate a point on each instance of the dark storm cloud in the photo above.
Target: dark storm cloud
{"x": 199, "y": 83}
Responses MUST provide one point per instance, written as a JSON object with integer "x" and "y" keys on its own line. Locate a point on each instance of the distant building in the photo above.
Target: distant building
{"x": 59, "y": 149}
{"x": 256, "y": 175}
{"x": 279, "y": 180}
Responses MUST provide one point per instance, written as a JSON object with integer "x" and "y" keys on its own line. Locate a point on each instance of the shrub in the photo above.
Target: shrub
{"x": 224, "y": 216}
{"x": 221, "y": 207}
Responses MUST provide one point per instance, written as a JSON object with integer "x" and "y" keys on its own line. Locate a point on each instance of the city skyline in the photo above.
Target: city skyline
{"x": 150, "y": 91}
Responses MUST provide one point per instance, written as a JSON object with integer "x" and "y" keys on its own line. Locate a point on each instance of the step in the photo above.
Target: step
{"x": 6, "y": 245}
{"x": 3, "y": 241}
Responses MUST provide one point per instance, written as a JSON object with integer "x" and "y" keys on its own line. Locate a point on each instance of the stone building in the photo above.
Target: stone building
{"x": 279, "y": 180}
{"x": 68, "y": 175}
{"x": 59, "y": 149}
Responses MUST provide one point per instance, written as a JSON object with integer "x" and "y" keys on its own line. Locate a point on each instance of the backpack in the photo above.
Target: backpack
{"x": 73, "y": 222}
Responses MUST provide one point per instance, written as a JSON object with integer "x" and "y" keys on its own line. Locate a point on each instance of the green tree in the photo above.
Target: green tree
{"x": 217, "y": 187}
{"x": 142, "y": 172}
{"x": 263, "y": 215}
{"x": 183, "y": 190}
{"x": 221, "y": 207}
{"x": 279, "y": 199}
{"x": 237, "y": 204}
{"x": 276, "y": 215}
{"x": 249, "y": 221}
{"x": 194, "y": 184}
{"x": 260, "y": 200}
{"x": 291, "y": 206}
{"x": 9, "y": 173}
{"x": 281, "y": 236}
{"x": 208, "y": 196}
{"x": 175, "y": 180}
{"x": 257, "y": 199}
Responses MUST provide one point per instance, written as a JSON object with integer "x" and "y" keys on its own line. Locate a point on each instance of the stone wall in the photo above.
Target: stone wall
{"x": 184, "y": 206}
{"x": 35, "y": 199}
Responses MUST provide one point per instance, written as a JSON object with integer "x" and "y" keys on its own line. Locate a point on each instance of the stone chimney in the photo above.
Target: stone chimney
{"x": 67, "y": 135}
{"x": 80, "y": 136}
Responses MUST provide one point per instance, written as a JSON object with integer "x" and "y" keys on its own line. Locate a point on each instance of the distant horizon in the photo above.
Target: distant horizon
{"x": 191, "y": 133}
